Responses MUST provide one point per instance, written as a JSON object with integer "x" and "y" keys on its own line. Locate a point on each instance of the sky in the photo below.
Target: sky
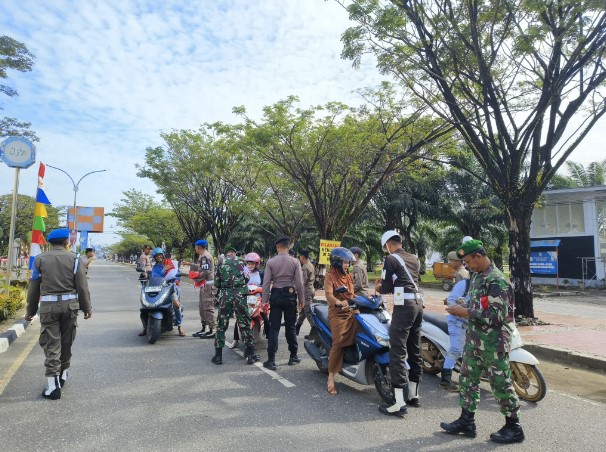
{"x": 109, "y": 76}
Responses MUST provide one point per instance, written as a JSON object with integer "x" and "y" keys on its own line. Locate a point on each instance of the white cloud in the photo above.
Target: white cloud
{"x": 110, "y": 75}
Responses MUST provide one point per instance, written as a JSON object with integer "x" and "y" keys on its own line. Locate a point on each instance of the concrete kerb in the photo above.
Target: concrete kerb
{"x": 587, "y": 361}
{"x": 12, "y": 333}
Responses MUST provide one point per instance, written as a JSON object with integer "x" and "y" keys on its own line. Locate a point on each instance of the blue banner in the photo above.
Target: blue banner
{"x": 544, "y": 262}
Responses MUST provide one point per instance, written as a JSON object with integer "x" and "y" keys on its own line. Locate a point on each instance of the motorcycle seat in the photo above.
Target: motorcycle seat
{"x": 321, "y": 311}
{"x": 438, "y": 320}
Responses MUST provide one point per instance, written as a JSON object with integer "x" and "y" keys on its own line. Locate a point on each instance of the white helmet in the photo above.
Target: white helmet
{"x": 389, "y": 235}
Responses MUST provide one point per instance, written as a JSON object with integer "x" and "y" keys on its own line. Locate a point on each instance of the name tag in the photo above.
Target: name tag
{"x": 398, "y": 296}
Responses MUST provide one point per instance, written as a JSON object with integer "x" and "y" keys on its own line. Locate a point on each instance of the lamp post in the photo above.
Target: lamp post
{"x": 75, "y": 188}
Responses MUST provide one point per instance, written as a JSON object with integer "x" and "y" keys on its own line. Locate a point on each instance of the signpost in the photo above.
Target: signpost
{"x": 16, "y": 152}
{"x": 326, "y": 246}
{"x": 544, "y": 261}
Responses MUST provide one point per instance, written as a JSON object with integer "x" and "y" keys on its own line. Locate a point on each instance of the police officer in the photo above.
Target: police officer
{"x": 145, "y": 262}
{"x": 283, "y": 273}
{"x": 59, "y": 284}
{"x": 400, "y": 277}
{"x": 309, "y": 276}
{"x": 231, "y": 282}
{"x": 486, "y": 346}
{"x": 359, "y": 273}
{"x": 204, "y": 268}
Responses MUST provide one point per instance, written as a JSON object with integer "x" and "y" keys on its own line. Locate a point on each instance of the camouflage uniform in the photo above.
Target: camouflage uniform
{"x": 231, "y": 282}
{"x": 487, "y": 345}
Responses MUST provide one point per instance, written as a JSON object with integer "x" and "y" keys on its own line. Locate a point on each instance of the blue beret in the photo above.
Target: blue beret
{"x": 203, "y": 243}
{"x": 59, "y": 234}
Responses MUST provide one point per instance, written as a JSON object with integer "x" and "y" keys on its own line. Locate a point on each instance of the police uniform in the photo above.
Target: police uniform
{"x": 59, "y": 285}
{"x": 283, "y": 273}
{"x": 400, "y": 276}
{"x": 205, "y": 268}
{"x": 487, "y": 347}
{"x": 231, "y": 282}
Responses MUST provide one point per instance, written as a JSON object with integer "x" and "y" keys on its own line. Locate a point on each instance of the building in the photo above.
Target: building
{"x": 568, "y": 237}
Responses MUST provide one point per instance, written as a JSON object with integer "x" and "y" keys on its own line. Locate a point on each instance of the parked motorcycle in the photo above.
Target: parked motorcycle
{"x": 157, "y": 311}
{"x": 367, "y": 361}
{"x": 527, "y": 379}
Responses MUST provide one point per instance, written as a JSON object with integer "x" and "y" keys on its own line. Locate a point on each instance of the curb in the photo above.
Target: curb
{"x": 11, "y": 334}
{"x": 587, "y": 361}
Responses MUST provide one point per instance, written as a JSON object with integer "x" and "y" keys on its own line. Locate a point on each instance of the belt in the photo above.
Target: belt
{"x": 59, "y": 297}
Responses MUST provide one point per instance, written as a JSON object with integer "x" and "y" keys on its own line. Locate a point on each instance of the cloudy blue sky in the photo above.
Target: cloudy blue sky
{"x": 109, "y": 75}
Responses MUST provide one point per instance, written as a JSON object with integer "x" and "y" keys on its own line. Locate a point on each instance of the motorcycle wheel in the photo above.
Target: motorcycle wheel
{"x": 153, "y": 329}
{"x": 256, "y": 331}
{"x": 431, "y": 358}
{"x": 528, "y": 382}
{"x": 383, "y": 384}
{"x": 319, "y": 365}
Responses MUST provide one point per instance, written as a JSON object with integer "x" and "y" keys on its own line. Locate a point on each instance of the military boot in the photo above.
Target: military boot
{"x": 250, "y": 355}
{"x": 398, "y": 408}
{"x": 413, "y": 394}
{"x": 465, "y": 425}
{"x": 63, "y": 378}
{"x": 446, "y": 381}
{"x": 510, "y": 433}
{"x": 53, "y": 390}
{"x": 218, "y": 358}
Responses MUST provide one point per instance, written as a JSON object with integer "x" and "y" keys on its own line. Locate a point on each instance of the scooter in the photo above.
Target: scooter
{"x": 527, "y": 379}
{"x": 255, "y": 309}
{"x": 367, "y": 361}
{"x": 157, "y": 311}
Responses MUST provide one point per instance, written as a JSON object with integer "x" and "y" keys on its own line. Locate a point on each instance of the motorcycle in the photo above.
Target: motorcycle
{"x": 365, "y": 362}
{"x": 157, "y": 311}
{"x": 255, "y": 309}
{"x": 527, "y": 379}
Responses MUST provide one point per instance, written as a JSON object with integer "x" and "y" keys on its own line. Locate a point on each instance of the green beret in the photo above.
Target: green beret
{"x": 230, "y": 248}
{"x": 471, "y": 246}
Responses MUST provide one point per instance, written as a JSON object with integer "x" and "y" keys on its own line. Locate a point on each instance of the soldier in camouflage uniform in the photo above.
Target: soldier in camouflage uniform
{"x": 231, "y": 282}
{"x": 487, "y": 346}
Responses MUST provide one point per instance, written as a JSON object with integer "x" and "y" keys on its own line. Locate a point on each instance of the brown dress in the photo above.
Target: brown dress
{"x": 342, "y": 322}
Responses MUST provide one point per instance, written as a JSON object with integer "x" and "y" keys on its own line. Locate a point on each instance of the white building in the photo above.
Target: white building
{"x": 577, "y": 218}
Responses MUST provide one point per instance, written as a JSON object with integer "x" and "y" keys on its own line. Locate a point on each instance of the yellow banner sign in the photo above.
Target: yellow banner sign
{"x": 326, "y": 246}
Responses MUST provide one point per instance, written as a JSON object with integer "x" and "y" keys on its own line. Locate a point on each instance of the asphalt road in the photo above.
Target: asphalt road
{"x": 125, "y": 394}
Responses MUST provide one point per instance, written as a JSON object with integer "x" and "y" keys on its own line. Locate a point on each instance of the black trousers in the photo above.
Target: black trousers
{"x": 405, "y": 343}
{"x": 280, "y": 304}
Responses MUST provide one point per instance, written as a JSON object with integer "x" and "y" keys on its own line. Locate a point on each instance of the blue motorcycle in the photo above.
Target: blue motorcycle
{"x": 157, "y": 311}
{"x": 367, "y": 361}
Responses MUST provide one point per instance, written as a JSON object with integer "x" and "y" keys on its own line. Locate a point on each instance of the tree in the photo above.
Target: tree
{"x": 592, "y": 175}
{"x": 337, "y": 156}
{"x": 24, "y": 220}
{"x": 522, "y": 83}
{"x": 14, "y": 55}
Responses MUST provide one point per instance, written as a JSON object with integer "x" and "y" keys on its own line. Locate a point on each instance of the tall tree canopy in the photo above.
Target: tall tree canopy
{"x": 521, "y": 81}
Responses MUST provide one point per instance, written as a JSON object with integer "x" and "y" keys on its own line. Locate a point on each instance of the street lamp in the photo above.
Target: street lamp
{"x": 75, "y": 187}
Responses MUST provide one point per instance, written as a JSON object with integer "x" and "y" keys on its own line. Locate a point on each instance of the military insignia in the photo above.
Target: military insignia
{"x": 291, "y": 290}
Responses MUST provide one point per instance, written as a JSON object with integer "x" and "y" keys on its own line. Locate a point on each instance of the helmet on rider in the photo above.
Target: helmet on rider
{"x": 339, "y": 255}
{"x": 253, "y": 257}
{"x": 388, "y": 235}
{"x": 157, "y": 251}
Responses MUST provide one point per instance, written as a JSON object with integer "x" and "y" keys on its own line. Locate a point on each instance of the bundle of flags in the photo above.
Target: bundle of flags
{"x": 40, "y": 214}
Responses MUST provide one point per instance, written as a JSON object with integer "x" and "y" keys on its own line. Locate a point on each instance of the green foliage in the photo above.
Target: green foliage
{"x": 24, "y": 221}
{"x": 14, "y": 55}
{"x": 10, "y": 303}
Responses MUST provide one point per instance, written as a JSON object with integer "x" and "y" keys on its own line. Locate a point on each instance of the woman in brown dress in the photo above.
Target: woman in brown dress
{"x": 339, "y": 288}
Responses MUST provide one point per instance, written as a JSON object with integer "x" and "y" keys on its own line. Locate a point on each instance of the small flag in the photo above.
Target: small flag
{"x": 39, "y": 224}
{"x": 38, "y": 238}
{"x": 41, "y": 170}
{"x": 40, "y": 210}
{"x": 41, "y": 197}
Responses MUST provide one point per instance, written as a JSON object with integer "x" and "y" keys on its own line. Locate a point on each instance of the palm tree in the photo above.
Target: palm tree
{"x": 590, "y": 176}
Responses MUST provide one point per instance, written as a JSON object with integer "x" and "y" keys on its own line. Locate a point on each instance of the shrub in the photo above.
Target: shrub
{"x": 11, "y": 303}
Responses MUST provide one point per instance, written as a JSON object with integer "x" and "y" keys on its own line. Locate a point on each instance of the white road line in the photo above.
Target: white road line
{"x": 14, "y": 367}
{"x": 271, "y": 373}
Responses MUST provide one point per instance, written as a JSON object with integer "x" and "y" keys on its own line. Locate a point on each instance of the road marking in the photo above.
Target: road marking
{"x": 271, "y": 373}
{"x": 14, "y": 367}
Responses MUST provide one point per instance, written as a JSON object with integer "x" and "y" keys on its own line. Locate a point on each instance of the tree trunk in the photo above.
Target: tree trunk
{"x": 519, "y": 218}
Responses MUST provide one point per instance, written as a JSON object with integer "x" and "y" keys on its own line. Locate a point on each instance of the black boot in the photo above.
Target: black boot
{"x": 270, "y": 363}
{"x": 412, "y": 397}
{"x": 294, "y": 359}
{"x": 465, "y": 425}
{"x": 398, "y": 408}
{"x": 446, "y": 381}
{"x": 510, "y": 433}
{"x": 53, "y": 390}
{"x": 250, "y": 356}
{"x": 199, "y": 333}
{"x": 218, "y": 358}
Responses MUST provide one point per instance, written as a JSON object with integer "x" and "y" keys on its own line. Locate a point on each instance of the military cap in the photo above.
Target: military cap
{"x": 452, "y": 256}
{"x": 58, "y": 234}
{"x": 471, "y": 246}
{"x": 203, "y": 243}
{"x": 230, "y": 248}
{"x": 282, "y": 240}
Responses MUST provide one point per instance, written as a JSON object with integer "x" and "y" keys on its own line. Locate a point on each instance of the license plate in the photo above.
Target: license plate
{"x": 153, "y": 289}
